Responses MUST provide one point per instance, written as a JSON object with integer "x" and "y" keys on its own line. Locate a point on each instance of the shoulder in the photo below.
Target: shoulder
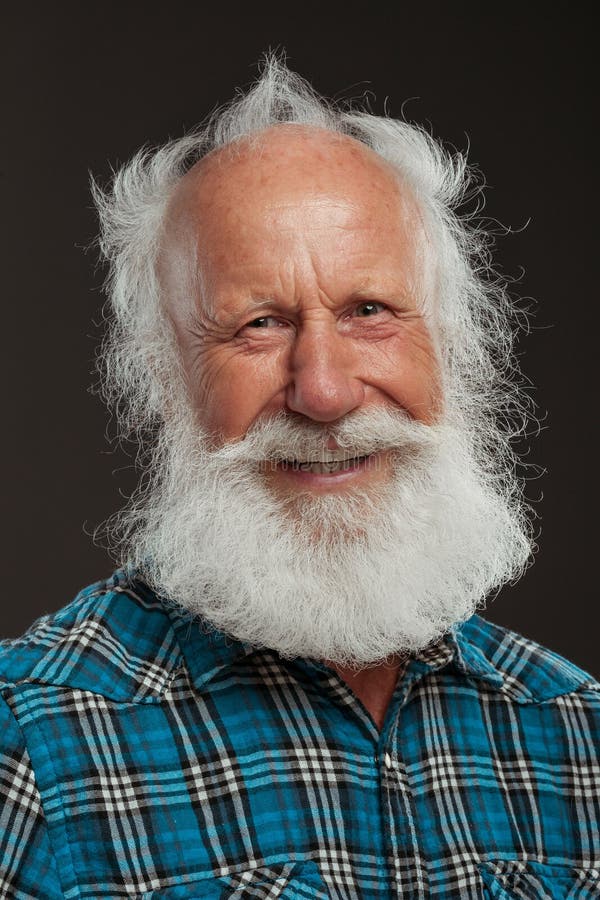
{"x": 525, "y": 670}
{"x": 115, "y": 638}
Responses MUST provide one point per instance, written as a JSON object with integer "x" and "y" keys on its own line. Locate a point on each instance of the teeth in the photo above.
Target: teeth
{"x": 319, "y": 468}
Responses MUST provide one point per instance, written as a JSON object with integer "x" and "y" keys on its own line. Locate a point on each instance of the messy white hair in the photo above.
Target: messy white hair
{"x": 475, "y": 318}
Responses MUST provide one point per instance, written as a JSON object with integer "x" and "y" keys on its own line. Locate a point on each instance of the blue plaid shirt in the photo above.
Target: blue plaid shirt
{"x": 144, "y": 756}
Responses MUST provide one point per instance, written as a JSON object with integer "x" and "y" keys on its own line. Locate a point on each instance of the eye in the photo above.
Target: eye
{"x": 369, "y": 308}
{"x": 263, "y": 322}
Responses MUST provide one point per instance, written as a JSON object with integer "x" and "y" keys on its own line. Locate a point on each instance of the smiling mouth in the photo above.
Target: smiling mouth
{"x": 319, "y": 467}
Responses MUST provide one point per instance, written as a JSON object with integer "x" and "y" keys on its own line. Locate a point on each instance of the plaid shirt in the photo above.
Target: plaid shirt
{"x": 147, "y": 757}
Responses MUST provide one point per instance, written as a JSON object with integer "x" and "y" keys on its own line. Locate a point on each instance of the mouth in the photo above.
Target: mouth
{"x": 332, "y": 471}
{"x": 324, "y": 467}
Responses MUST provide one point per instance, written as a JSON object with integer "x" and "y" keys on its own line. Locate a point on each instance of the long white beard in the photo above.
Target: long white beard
{"x": 348, "y": 577}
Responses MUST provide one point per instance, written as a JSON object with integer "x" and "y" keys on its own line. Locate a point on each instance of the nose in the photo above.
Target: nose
{"x": 324, "y": 384}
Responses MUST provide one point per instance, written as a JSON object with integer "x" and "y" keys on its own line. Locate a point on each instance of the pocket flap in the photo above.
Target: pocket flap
{"x": 288, "y": 881}
{"x": 510, "y": 879}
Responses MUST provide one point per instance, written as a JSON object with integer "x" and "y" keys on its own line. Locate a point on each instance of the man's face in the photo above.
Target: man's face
{"x": 314, "y": 297}
{"x": 305, "y": 326}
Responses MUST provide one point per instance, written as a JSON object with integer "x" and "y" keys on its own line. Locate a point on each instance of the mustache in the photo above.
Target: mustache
{"x": 361, "y": 433}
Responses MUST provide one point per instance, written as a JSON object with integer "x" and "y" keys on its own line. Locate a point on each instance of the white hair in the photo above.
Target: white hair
{"x": 476, "y": 321}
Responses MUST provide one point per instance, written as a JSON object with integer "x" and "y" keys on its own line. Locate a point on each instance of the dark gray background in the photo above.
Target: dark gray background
{"x": 86, "y": 84}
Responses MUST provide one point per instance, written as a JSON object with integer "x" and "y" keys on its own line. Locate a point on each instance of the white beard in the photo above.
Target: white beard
{"x": 351, "y": 577}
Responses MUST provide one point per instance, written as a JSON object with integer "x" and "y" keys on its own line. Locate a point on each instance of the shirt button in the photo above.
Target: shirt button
{"x": 387, "y": 760}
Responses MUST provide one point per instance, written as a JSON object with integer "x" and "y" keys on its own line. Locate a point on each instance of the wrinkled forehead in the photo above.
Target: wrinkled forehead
{"x": 223, "y": 200}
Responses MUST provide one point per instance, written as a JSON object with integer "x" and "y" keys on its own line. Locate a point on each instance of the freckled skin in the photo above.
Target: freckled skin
{"x": 314, "y": 291}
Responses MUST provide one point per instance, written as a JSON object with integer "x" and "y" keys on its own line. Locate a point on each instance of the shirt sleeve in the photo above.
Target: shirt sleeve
{"x": 27, "y": 866}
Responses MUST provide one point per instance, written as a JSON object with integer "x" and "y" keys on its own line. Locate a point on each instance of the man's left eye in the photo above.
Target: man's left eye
{"x": 369, "y": 308}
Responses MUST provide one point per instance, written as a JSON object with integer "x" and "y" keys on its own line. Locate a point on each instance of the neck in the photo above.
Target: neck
{"x": 374, "y": 686}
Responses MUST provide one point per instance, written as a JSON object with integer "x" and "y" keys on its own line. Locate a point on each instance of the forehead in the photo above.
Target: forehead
{"x": 261, "y": 197}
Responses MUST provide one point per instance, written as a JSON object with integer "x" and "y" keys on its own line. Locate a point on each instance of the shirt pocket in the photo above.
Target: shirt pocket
{"x": 285, "y": 881}
{"x": 516, "y": 880}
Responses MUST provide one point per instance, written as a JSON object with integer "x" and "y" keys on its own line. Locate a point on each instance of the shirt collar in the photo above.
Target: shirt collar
{"x": 470, "y": 659}
{"x": 452, "y": 649}
{"x": 207, "y": 651}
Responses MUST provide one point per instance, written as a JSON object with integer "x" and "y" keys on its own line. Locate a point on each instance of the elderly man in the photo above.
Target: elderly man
{"x": 285, "y": 691}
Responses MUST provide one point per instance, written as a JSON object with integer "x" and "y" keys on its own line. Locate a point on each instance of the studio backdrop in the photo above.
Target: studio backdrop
{"x": 87, "y": 84}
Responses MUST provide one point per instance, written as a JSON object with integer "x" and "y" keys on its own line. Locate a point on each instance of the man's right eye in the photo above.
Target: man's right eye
{"x": 263, "y": 322}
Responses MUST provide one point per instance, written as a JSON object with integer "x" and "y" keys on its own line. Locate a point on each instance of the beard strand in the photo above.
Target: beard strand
{"x": 352, "y": 577}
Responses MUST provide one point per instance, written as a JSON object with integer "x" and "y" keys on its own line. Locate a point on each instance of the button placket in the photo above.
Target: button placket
{"x": 407, "y": 867}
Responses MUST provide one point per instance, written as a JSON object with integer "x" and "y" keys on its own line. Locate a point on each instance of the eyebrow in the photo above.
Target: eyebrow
{"x": 200, "y": 318}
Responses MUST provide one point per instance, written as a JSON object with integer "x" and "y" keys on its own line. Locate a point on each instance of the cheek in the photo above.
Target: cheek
{"x": 421, "y": 387}
{"x": 231, "y": 390}
{"x": 408, "y": 371}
